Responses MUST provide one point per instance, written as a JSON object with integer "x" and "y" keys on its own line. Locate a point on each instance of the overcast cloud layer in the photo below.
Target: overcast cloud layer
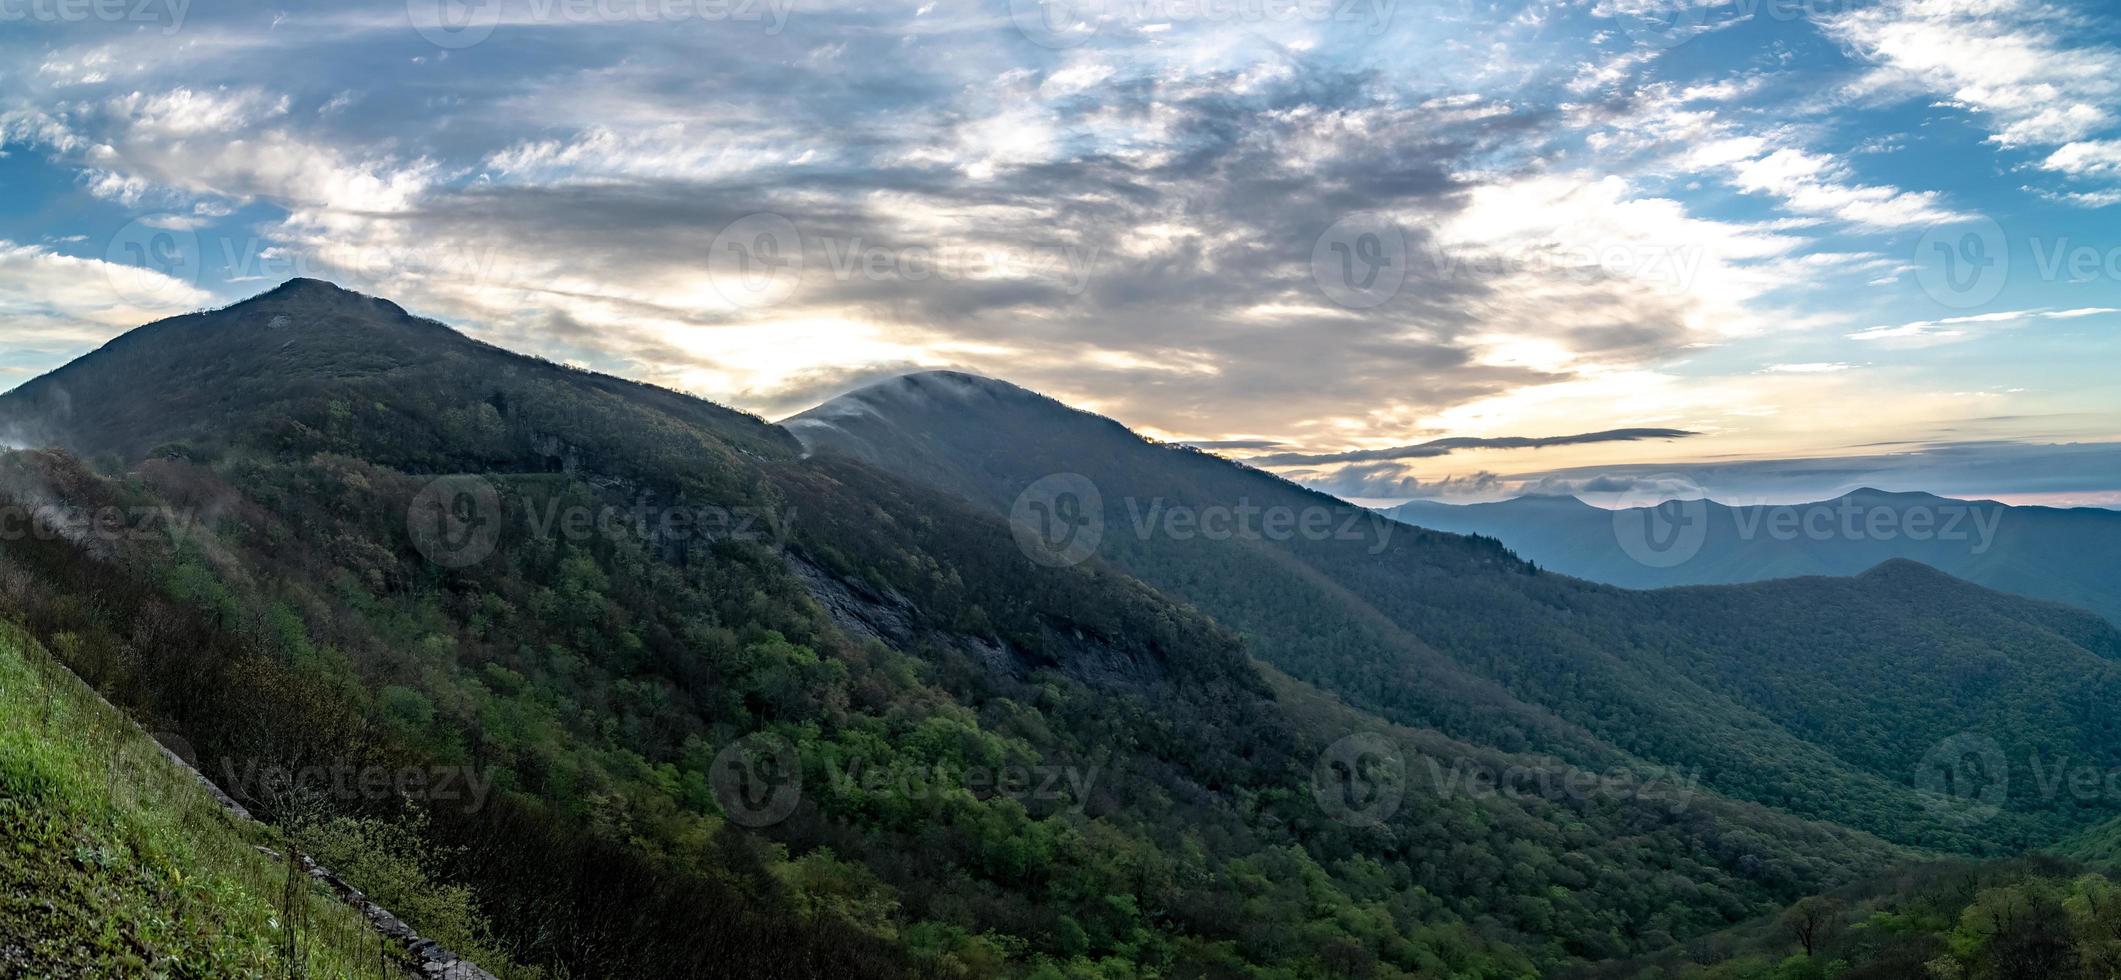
{"x": 1323, "y": 235}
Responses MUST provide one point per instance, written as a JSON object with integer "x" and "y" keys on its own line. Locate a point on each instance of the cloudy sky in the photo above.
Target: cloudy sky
{"x": 1765, "y": 248}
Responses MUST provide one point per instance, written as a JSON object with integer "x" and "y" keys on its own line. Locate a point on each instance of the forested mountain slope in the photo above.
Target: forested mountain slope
{"x": 327, "y": 536}
{"x": 2034, "y": 918}
{"x": 1832, "y": 698}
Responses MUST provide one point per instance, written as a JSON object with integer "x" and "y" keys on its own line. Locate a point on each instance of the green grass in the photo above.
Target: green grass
{"x": 113, "y": 862}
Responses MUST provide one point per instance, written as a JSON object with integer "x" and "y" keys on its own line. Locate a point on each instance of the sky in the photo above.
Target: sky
{"x": 1758, "y": 249}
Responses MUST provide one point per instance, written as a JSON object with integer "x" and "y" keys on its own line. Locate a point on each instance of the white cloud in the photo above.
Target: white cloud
{"x": 2082, "y": 199}
{"x": 1575, "y": 251}
{"x": 164, "y": 150}
{"x": 1813, "y": 367}
{"x": 2007, "y": 59}
{"x": 2087, "y": 158}
{"x": 1723, "y": 90}
{"x": 1077, "y": 77}
{"x": 1669, "y": 126}
{"x": 67, "y": 302}
{"x": 671, "y": 151}
{"x": 1811, "y": 183}
{"x": 186, "y": 112}
{"x": 1946, "y": 328}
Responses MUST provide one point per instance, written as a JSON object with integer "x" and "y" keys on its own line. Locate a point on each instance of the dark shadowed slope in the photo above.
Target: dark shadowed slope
{"x": 274, "y": 362}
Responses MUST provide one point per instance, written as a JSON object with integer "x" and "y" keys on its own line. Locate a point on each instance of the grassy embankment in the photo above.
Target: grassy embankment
{"x": 114, "y": 862}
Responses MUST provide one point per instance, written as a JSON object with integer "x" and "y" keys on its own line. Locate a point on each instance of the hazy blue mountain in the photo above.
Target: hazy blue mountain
{"x": 2069, "y": 555}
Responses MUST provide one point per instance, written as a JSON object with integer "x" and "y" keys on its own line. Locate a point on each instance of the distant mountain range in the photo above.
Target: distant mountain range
{"x": 2068, "y": 555}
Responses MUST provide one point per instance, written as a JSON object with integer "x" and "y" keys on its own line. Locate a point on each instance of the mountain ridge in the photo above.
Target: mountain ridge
{"x": 303, "y": 617}
{"x": 308, "y": 334}
{"x": 1346, "y": 616}
{"x": 2057, "y": 554}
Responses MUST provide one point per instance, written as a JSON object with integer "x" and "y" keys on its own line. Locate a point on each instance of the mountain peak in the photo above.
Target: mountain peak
{"x": 307, "y": 284}
{"x": 896, "y": 415}
{"x": 1913, "y": 497}
{"x": 920, "y": 388}
{"x": 945, "y": 382}
{"x": 305, "y": 295}
{"x": 1908, "y": 571}
{"x": 1868, "y": 491}
{"x": 1551, "y": 499}
{"x": 183, "y": 379}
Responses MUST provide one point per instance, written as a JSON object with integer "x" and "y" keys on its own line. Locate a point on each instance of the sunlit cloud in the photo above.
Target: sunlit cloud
{"x": 1307, "y": 237}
